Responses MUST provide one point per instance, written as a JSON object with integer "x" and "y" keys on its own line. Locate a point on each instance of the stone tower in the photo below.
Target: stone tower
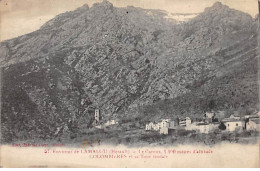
{"x": 97, "y": 115}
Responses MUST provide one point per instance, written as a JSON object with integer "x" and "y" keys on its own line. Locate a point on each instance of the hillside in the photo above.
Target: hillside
{"x": 127, "y": 61}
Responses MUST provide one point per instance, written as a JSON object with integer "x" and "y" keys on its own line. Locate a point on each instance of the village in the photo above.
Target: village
{"x": 208, "y": 123}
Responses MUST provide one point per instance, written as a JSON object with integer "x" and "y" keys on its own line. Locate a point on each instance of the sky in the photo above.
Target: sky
{"x": 18, "y": 17}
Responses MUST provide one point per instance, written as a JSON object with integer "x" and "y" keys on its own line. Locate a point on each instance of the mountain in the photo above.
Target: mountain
{"x": 128, "y": 61}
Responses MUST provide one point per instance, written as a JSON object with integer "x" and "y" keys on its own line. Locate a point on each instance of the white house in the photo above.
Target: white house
{"x": 207, "y": 127}
{"x": 111, "y": 122}
{"x": 202, "y": 127}
{"x": 149, "y": 126}
{"x": 184, "y": 121}
{"x": 209, "y": 115}
{"x": 234, "y": 125}
{"x": 157, "y": 126}
{"x": 193, "y": 126}
{"x": 152, "y": 126}
{"x": 253, "y": 124}
{"x": 165, "y": 125}
{"x": 164, "y": 130}
{"x": 99, "y": 126}
{"x": 171, "y": 124}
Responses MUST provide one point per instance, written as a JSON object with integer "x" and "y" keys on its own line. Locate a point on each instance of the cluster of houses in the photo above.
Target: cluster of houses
{"x": 209, "y": 123}
{"x": 161, "y": 126}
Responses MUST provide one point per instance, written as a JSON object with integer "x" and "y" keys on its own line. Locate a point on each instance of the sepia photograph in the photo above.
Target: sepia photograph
{"x": 129, "y": 83}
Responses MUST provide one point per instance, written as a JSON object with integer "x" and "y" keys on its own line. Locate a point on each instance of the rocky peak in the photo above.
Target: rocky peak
{"x": 104, "y": 5}
{"x": 218, "y": 6}
{"x": 84, "y": 7}
{"x": 102, "y": 9}
{"x": 221, "y": 11}
{"x": 221, "y": 15}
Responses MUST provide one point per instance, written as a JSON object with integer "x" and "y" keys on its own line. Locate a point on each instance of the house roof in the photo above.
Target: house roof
{"x": 232, "y": 121}
{"x": 252, "y": 116}
{"x": 202, "y": 124}
{"x": 257, "y": 121}
{"x": 213, "y": 123}
{"x": 184, "y": 119}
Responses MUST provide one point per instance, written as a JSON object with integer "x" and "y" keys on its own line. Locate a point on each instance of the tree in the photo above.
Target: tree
{"x": 222, "y": 126}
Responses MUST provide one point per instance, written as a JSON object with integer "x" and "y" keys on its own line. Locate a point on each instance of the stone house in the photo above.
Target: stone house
{"x": 235, "y": 117}
{"x": 111, "y": 122}
{"x": 149, "y": 126}
{"x": 209, "y": 115}
{"x": 234, "y": 125}
{"x": 253, "y": 124}
{"x": 192, "y": 126}
{"x": 166, "y": 125}
{"x": 184, "y": 121}
{"x": 202, "y": 127}
{"x": 156, "y": 126}
{"x": 166, "y": 131}
{"x": 207, "y": 127}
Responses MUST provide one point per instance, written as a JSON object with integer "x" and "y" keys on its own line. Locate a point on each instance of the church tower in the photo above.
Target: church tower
{"x": 97, "y": 115}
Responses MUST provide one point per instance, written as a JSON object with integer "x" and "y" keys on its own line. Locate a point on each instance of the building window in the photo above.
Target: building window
{"x": 227, "y": 124}
{"x": 236, "y": 124}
